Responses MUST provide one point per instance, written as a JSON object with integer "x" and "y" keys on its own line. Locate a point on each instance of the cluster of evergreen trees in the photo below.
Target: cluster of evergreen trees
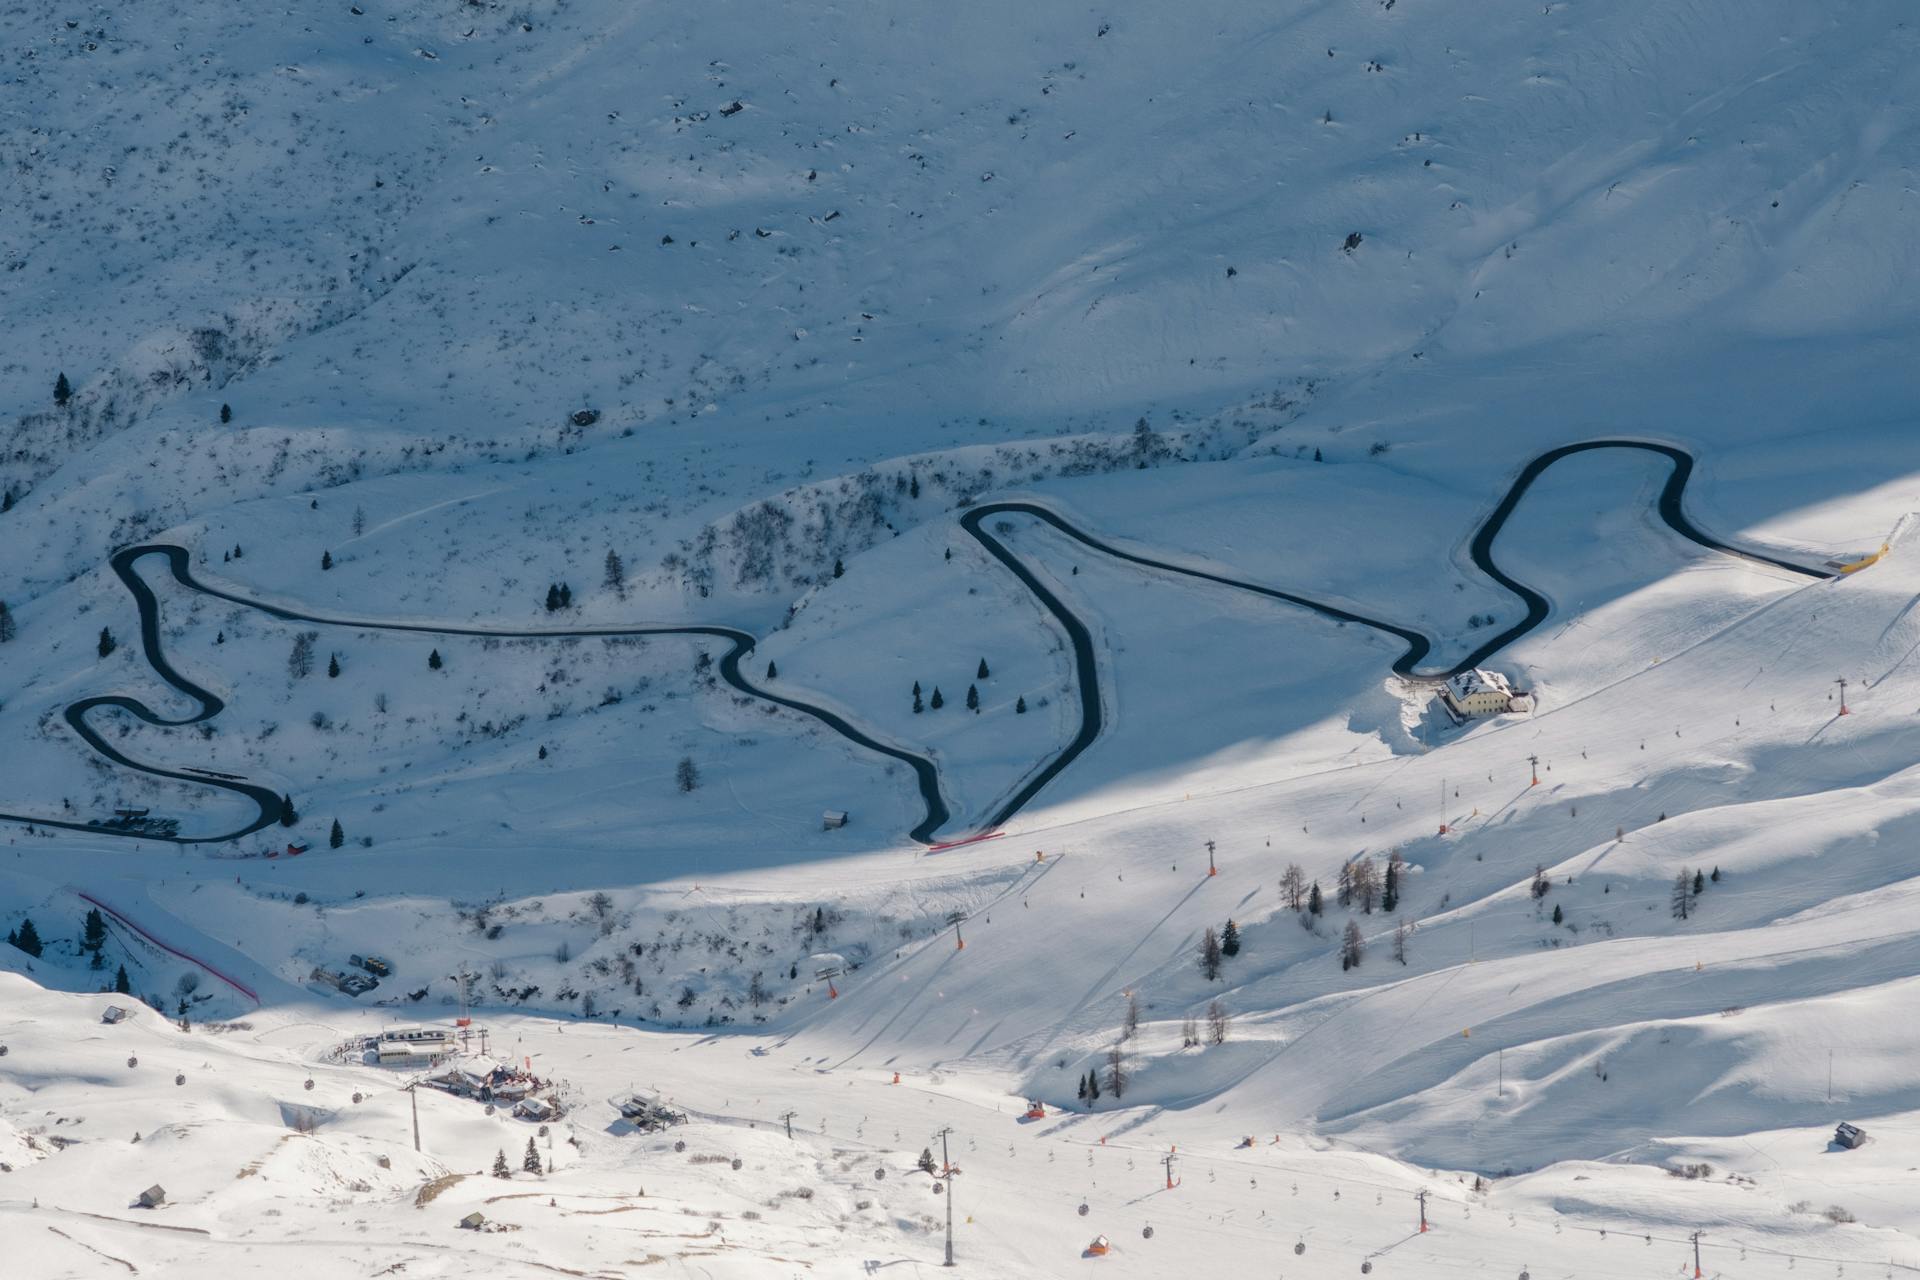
{"x": 529, "y": 1163}
{"x": 1217, "y": 948}
{"x": 93, "y": 944}
{"x": 1687, "y": 887}
{"x": 1362, "y": 884}
{"x": 560, "y": 596}
{"x": 939, "y": 699}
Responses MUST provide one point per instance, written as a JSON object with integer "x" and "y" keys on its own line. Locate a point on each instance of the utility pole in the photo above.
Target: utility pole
{"x": 789, "y": 1121}
{"x": 1534, "y": 763}
{"x": 1211, "y": 869}
{"x": 1842, "y": 682}
{"x": 415, "y": 1099}
{"x": 1443, "y": 806}
{"x": 946, "y": 1175}
{"x": 1422, "y": 1198}
{"x": 1696, "y": 1254}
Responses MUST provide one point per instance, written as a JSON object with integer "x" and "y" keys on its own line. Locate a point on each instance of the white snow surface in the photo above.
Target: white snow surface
{"x": 1284, "y": 292}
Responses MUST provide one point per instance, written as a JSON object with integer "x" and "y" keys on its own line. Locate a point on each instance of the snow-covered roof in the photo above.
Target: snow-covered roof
{"x": 1478, "y": 680}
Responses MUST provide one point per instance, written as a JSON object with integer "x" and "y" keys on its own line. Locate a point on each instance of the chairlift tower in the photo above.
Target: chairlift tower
{"x": 956, "y": 918}
{"x": 827, "y": 975}
{"x": 945, "y": 1176}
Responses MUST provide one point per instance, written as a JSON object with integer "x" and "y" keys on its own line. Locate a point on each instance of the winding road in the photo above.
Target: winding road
{"x": 1086, "y": 669}
{"x": 268, "y": 800}
{"x": 1087, "y": 672}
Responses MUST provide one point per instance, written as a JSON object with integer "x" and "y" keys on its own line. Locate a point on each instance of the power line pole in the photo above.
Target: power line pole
{"x": 415, "y": 1099}
{"x": 946, "y": 1176}
{"x": 789, "y": 1119}
{"x": 1697, "y": 1273}
{"x": 1422, "y": 1198}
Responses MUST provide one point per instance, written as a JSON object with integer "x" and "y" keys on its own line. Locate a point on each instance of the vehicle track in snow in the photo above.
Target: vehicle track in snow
{"x": 1669, "y": 506}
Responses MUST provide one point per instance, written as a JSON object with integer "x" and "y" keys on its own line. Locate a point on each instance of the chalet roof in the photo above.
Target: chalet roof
{"x": 1478, "y": 680}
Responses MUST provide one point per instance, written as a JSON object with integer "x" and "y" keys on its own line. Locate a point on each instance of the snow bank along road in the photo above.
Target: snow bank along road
{"x": 1086, "y": 669}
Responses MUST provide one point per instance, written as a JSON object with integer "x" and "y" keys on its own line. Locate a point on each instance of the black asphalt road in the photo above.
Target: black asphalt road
{"x": 268, "y": 801}
{"x": 1086, "y": 669}
{"x": 1087, "y": 674}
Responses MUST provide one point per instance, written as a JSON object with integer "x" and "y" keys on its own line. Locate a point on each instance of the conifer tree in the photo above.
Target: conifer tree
{"x": 62, "y": 391}
{"x": 566, "y": 596}
{"x": 918, "y": 706}
{"x": 981, "y": 674}
{"x": 973, "y": 699}
{"x": 1343, "y": 894}
{"x": 1020, "y": 705}
{"x": 838, "y": 568}
{"x": 531, "y": 1163}
{"x": 1699, "y": 884}
{"x": 7, "y": 631}
{"x": 553, "y": 597}
{"x": 337, "y": 836}
{"x": 28, "y": 938}
{"x": 500, "y": 1169}
{"x": 1230, "y": 940}
{"x": 107, "y": 643}
{"x": 938, "y": 701}
{"x": 333, "y": 666}
{"x": 685, "y": 775}
{"x": 1093, "y": 1086}
{"x": 121, "y": 984}
{"x": 433, "y": 660}
{"x": 773, "y": 672}
{"x": 288, "y": 816}
{"x": 226, "y": 414}
{"x": 1681, "y": 904}
{"x": 6, "y": 500}
{"x": 326, "y": 560}
{"x": 1083, "y": 1088}
{"x": 616, "y": 574}
{"x": 1390, "y": 885}
{"x": 93, "y": 936}
{"x": 1314, "y": 904}
{"x": 1210, "y": 955}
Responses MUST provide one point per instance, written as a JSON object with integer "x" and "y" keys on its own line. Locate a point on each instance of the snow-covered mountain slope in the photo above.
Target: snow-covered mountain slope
{"x": 541, "y": 325}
